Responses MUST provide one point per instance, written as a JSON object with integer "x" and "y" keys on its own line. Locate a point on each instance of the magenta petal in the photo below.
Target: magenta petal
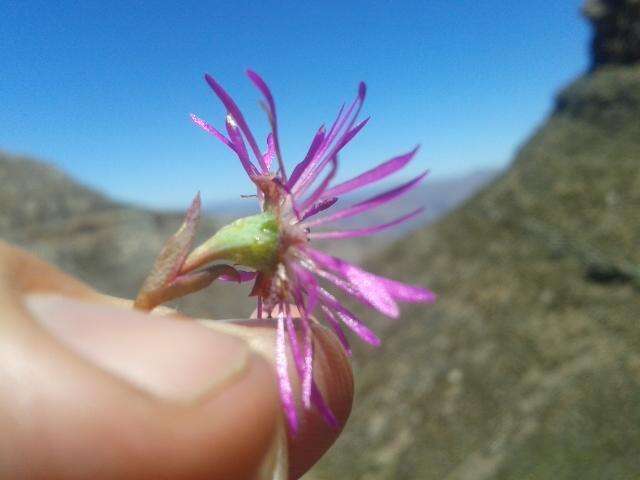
{"x": 348, "y": 318}
{"x": 284, "y": 383}
{"x": 329, "y": 261}
{"x": 383, "y": 303}
{"x": 233, "y": 109}
{"x": 302, "y": 166}
{"x": 337, "y": 123}
{"x": 293, "y": 340}
{"x": 358, "y": 328}
{"x": 264, "y": 89}
{"x": 335, "y": 326}
{"x": 352, "y": 113}
{"x": 362, "y": 93}
{"x": 318, "y": 207}
{"x": 370, "y": 203}
{"x": 307, "y": 282}
{"x": 270, "y": 154}
{"x": 397, "y": 290}
{"x": 408, "y": 293}
{"x": 307, "y": 371}
{"x": 271, "y": 111}
{"x": 318, "y": 400}
{"x": 319, "y": 160}
{"x": 212, "y": 130}
{"x": 313, "y": 394}
{"x": 317, "y": 193}
{"x": 374, "y": 292}
{"x": 375, "y": 174}
{"x": 363, "y": 232}
{"x": 349, "y": 136}
{"x": 238, "y": 144}
{"x": 365, "y": 287}
{"x": 342, "y": 284}
{"x": 316, "y": 167}
{"x": 303, "y": 359}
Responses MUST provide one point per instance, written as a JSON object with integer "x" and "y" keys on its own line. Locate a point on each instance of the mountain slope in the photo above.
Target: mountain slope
{"x": 529, "y": 365}
{"x": 109, "y": 245}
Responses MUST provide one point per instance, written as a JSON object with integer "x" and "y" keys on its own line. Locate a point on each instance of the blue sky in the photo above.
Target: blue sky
{"x": 104, "y": 89}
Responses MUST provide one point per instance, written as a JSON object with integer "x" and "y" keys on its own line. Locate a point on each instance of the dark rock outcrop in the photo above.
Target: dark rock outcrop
{"x": 616, "y": 39}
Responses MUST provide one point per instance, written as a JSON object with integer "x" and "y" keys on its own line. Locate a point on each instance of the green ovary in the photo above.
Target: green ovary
{"x": 249, "y": 241}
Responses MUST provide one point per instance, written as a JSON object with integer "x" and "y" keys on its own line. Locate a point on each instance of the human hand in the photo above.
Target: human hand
{"x": 90, "y": 388}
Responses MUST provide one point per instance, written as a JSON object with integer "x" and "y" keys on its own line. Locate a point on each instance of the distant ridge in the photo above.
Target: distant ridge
{"x": 108, "y": 244}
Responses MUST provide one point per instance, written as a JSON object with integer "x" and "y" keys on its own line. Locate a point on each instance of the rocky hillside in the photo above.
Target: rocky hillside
{"x": 109, "y": 245}
{"x": 529, "y": 365}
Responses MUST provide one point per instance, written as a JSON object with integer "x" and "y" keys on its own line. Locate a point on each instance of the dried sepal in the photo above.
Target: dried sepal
{"x": 184, "y": 285}
{"x": 170, "y": 260}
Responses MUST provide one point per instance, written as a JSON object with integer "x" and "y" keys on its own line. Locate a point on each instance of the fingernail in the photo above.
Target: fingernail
{"x": 174, "y": 360}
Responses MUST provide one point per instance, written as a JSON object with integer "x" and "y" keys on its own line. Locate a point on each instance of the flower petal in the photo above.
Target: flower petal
{"x": 316, "y": 167}
{"x": 212, "y": 130}
{"x": 293, "y": 339}
{"x": 303, "y": 357}
{"x": 363, "y": 232}
{"x": 302, "y": 166}
{"x": 352, "y": 114}
{"x": 284, "y": 383}
{"x": 362, "y": 285}
{"x": 358, "y": 328}
{"x": 307, "y": 283}
{"x": 233, "y": 110}
{"x": 370, "y": 203}
{"x": 270, "y": 154}
{"x": 398, "y": 290}
{"x": 348, "y": 318}
{"x": 317, "y": 163}
{"x": 374, "y": 292}
{"x": 240, "y": 149}
{"x": 273, "y": 118}
{"x": 375, "y": 174}
{"x": 318, "y": 400}
{"x": 318, "y": 207}
{"x": 317, "y": 193}
{"x": 307, "y": 372}
{"x": 408, "y": 293}
{"x": 335, "y": 326}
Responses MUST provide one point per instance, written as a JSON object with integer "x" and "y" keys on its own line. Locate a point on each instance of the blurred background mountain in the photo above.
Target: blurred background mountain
{"x": 529, "y": 364}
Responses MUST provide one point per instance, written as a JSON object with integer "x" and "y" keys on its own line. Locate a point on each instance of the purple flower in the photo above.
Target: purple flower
{"x": 287, "y": 270}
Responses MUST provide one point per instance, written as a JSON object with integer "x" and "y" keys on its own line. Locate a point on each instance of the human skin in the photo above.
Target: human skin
{"x": 90, "y": 388}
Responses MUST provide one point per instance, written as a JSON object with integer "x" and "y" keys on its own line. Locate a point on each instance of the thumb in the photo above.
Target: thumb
{"x": 90, "y": 390}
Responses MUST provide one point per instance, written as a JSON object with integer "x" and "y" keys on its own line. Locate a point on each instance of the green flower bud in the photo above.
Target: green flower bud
{"x": 250, "y": 241}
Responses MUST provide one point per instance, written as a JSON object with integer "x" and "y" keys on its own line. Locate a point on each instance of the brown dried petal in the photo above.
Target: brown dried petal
{"x": 171, "y": 257}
